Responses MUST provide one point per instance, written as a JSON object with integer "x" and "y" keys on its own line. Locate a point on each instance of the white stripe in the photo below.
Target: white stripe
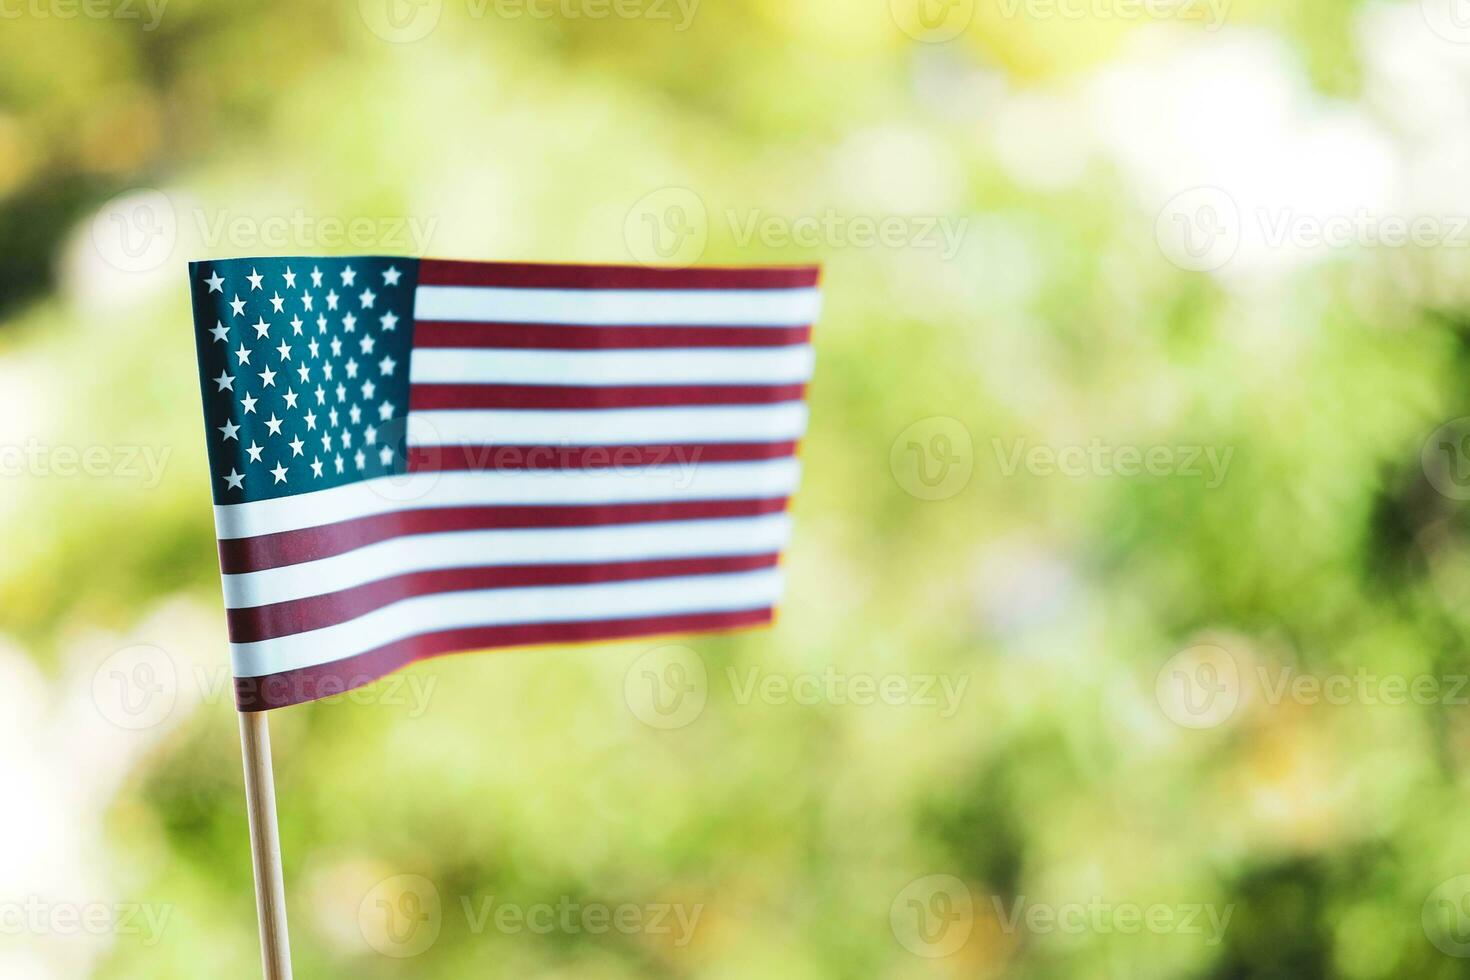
{"x": 496, "y": 607}
{"x": 718, "y": 366}
{"x": 601, "y": 307}
{"x": 520, "y": 546}
{"x": 386, "y": 494}
{"x": 609, "y": 427}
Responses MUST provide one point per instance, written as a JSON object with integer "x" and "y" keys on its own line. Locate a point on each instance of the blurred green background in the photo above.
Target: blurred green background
{"x": 1126, "y": 625}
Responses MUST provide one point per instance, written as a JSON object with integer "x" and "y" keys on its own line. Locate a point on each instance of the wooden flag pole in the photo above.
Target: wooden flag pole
{"x": 265, "y": 845}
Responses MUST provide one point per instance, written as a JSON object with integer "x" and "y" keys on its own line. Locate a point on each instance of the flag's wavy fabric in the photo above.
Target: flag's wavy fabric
{"x": 418, "y": 457}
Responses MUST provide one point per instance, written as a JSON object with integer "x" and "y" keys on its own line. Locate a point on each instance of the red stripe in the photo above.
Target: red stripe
{"x": 554, "y": 336}
{"x": 430, "y": 397}
{"x": 299, "y": 615}
{"x": 447, "y": 459}
{"x": 325, "y": 680}
{"x": 536, "y": 275}
{"x": 238, "y": 555}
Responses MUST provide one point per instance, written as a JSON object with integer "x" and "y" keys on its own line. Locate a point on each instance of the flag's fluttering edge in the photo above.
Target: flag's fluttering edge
{"x": 419, "y": 457}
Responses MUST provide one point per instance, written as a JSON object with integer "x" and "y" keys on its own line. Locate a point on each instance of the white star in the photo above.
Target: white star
{"x": 225, "y": 381}
{"x": 370, "y": 434}
{"x": 321, "y": 323}
{"x": 360, "y": 459}
{"x": 348, "y": 275}
{"x": 243, "y": 354}
{"x": 229, "y": 429}
{"x": 332, "y": 298}
{"x": 254, "y": 451}
{"x": 326, "y": 442}
{"x": 274, "y": 424}
{"x": 385, "y": 456}
{"x": 345, "y": 438}
{"x": 249, "y": 402}
{"x": 279, "y": 473}
{"x": 235, "y": 480}
{"x": 296, "y": 326}
{"x": 386, "y": 365}
{"x": 336, "y": 347}
{"x": 367, "y": 345}
{"x": 254, "y": 278}
{"x": 316, "y": 276}
{"x": 338, "y": 462}
{"x": 268, "y": 378}
{"x": 290, "y": 278}
{"x": 332, "y": 418}
{"x": 368, "y": 388}
{"x": 237, "y": 305}
{"x": 351, "y": 367}
{"x": 341, "y": 393}
{"x": 385, "y": 411}
{"x": 390, "y": 275}
{"x": 389, "y": 321}
{"x": 219, "y": 331}
{"x": 304, "y": 373}
{"x": 278, "y": 303}
{"x": 216, "y": 283}
{"x": 313, "y": 347}
{"x": 291, "y": 397}
{"x": 306, "y": 301}
{"x": 355, "y": 413}
{"x": 349, "y": 323}
{"x": 316, "y": 467}
{"x": 284, "y": 350}
{"x": 310, "y": 420}
{"x": 327, "y": 370}
{"x": 367, "y": 297}
{"x": 296, "y": 445}
{"x": 262, "y": 328}
{"x": 321, "y": 396}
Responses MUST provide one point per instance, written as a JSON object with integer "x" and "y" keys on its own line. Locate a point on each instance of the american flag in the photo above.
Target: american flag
{"x": 418, "y": 457}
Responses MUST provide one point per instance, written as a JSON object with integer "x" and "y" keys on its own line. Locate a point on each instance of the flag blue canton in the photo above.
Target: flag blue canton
{"x": 303, "y": 368}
